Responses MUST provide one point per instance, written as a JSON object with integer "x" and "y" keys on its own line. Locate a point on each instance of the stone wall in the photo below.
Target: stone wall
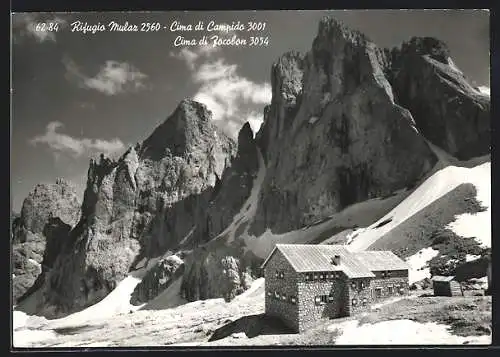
{"x": 365, "y": 296}
{"x": 359, "y": 295}
{"x": 286, "y": 286}
{"x": 309, "y": 311}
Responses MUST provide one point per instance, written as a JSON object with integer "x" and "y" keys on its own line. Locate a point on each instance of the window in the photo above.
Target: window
{"x": 280, "y": 274}
{"x": 331, "y": 276}
{"x": 390, "y": 289}
{"x": 388, "y": 274}
{"x": 276, "y": 295}
{"x": 283, "y": 297}
{"x": 315, "y": 277}
{"x": 354, "y": 302}
{"x": 330, "y": 298}
{"x": 322, "y": 299}
{"x": 364, "y": 301}
{"x": 269, "y": 293}
{"x": 308, "y": 277}
{"x": 378, "y": 292}
{"x": 362, "y": 285}
{"x": 293, "y": 299}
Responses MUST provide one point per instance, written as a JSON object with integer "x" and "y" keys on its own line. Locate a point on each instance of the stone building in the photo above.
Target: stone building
{"x": 305, "y": 283}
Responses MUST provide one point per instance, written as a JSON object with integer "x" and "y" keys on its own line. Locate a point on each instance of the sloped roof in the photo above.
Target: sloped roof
{"x": 311, "y": 257}
{"x": 379, "y": 260}
{"x": 442, "y": 278}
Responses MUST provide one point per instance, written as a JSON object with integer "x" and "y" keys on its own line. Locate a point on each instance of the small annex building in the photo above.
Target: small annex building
{"x": 306, "y": 282}
{"x": 446, "y": 286}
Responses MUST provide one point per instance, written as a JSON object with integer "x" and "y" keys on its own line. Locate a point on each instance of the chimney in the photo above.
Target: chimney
{"x": 336, "y": 260}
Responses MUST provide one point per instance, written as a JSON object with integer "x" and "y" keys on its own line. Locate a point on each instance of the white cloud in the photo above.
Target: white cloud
{"x": 191, "y": 54}
{"x": 214, "y": 71}
{"x": 187, "y": 56}
{"x": 25, "y": 25}
{"x": 224, "y": 92}
{"x": 113, "y": 77}
{"x": 228, "y": 95}
{"x": 76, "y": 147}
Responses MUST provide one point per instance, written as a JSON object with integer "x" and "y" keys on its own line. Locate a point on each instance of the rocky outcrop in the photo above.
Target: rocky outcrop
{"x": 158, "y": 279}
{"x": 140, "y": 206}
{"x": 447, "y": 109}
{"x": 30, "y": 239}
{"x": 49, "y": 200}
{"x": 215, "y": 273}
{"x": 233, "y": 190}
{"x": 333, "y": 134}
{"x": 216, "y": 268}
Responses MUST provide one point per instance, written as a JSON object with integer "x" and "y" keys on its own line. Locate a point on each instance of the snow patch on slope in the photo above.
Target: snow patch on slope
{"x": 419, "y": 269}
{"x": 406, "y": 332}
{"x": 477, "y": 225}
{"x": 471, "y": 257}
{"x": 249, "y": 208}
{"x": 19, "y": 319}
{"x": 116, "y": 302}
{"x": 484, "y": 90}
{"x": 27, "y": 338}
{"x": 436, "y": 186}
{"x": 358, "y": 214}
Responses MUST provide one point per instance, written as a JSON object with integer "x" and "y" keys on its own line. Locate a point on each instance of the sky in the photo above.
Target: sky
{"x": 76, "y": 94}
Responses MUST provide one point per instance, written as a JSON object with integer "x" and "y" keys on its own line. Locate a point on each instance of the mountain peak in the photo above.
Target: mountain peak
{"x": 431, "y": 46}
{"x": 188, "y": 126}
{"x": 192, "y": 109}
{"x": 332, "y": 28}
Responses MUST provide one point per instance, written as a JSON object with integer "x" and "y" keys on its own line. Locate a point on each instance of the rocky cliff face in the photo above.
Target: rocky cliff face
{"x": 158, "y": 279}
{"x": 217, "y": 268}
{"x": 447, "y": 109}
{"x": 140, "y": 206}
{"x": 31, "y": 234}
{"x": 333, "y": 134}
